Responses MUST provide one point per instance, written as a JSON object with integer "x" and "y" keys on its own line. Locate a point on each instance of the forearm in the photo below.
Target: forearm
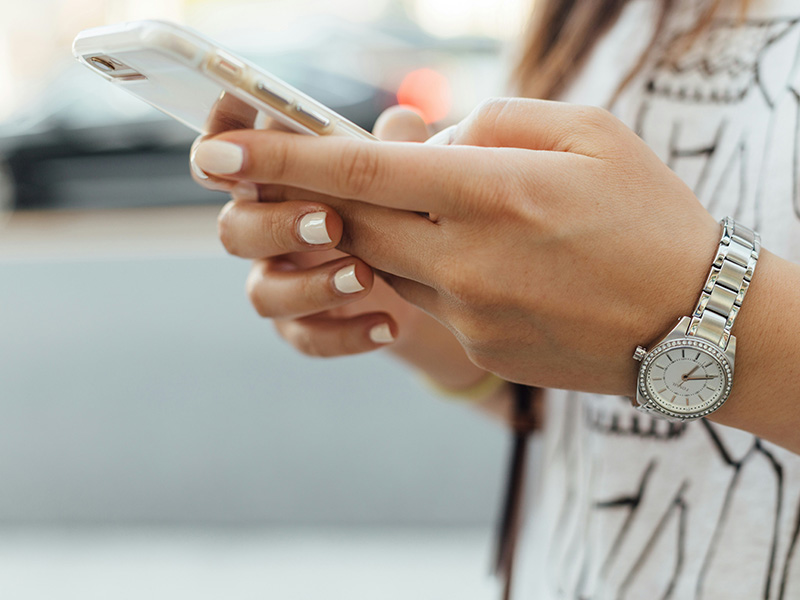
{"x": 765, "y": 398}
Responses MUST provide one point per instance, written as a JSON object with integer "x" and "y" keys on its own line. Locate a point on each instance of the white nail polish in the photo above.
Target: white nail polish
{"x": 198, "y": 172}
{"x": 346, "y": 281}
{"x": 246, "y": 191}
{"x": 214, "y": 156}
{"x": 217, "y": 186}
{"x": 313, "y": 228}
{"x": 381, "y": 334}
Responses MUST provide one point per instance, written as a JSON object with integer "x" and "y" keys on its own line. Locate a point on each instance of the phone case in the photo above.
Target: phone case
{"x": 205, "y": 87}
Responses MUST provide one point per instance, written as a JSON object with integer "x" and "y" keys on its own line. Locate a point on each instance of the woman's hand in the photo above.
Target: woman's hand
{"x": 547, "y": 237}
{"x": 322, "y": 301}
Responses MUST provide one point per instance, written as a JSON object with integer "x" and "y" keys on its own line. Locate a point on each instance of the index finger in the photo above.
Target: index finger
{"x": 408, "y": 176}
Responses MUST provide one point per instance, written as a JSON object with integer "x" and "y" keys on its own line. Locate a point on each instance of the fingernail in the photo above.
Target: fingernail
{"x": 313, "y": 228}
{"x": 214, "y": 156}
{"x": 244, "y": 190}
{"x": 381, "y": 334}
{"x": 217, "y": 186}
{"x": 199, "y": 173}
{"x": 346, "y": 281}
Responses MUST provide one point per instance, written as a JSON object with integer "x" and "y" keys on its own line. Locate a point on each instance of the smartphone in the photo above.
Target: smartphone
{"x": 205, "y": 87}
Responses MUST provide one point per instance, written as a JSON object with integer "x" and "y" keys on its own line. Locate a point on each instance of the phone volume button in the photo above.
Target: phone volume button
{"x": 226, "y": 66}
{"x": 317, "y": 120}
{"x": 271, "y": 96}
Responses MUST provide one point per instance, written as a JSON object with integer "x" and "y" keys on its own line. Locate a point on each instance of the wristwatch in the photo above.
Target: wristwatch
{"x": 688, "y": 374}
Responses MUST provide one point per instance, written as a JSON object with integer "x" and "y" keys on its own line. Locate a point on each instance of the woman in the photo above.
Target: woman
{"x": 544, "y": 242}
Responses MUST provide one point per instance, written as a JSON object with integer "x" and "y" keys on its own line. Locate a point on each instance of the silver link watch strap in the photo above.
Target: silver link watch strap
{"x": 727, "y": 284}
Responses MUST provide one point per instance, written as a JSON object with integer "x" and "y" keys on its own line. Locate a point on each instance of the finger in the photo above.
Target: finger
{"x": 203, "y": 179}
{"x": 279, "y": 289}
{"x": 378, "y": 235}
{"x": 260, "y": 230}
{"x": 328, "y": 336}
{"x": 397, "y": 123}
{"x": 401, "y": 243}
{"x": 401, "y": 124}
{"x": 228, "y": 112}
{"x": 416, "y": 177}
{"x": 281, "y": 193}
{"x": 538, "y": 125}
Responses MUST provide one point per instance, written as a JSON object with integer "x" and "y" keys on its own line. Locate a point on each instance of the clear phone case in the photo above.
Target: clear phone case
{"x": 188, "y": 77}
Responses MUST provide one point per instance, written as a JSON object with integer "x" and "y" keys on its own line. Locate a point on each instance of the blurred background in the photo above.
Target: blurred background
{"x": 157, "y": 439}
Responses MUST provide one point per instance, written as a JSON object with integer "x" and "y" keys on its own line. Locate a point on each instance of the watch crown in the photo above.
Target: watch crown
{"x": 640, "y": 353}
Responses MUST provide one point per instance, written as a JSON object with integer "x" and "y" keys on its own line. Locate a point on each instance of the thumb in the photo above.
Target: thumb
{"x": 401, "y": 124}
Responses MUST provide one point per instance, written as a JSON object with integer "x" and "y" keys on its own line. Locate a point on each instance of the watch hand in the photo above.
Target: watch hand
{"x": 699, "y": 378}
{"x": 685, "y": 377}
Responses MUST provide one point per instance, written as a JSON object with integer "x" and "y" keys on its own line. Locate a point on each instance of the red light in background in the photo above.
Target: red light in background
{"x": 429, "y": 91}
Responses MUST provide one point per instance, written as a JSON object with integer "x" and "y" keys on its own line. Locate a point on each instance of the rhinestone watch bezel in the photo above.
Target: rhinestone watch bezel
{"x": 686, "y": 342}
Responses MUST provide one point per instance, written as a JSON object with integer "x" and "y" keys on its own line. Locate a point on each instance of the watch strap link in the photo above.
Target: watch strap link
{"x": 727, "y": 284}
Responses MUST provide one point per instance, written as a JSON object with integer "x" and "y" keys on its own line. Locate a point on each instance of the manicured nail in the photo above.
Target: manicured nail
{"x": 244, "y": 190}
{"x": 346, "y": 281}
{"x": 313, "y": 228}
{"x": 214, "y": 156}
{"x": 197, "y": 170}
{"x": 381, "y": 334}
{"x": 217, "y": 185}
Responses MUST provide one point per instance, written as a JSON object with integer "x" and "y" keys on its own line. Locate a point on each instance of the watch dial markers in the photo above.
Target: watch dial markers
{"x": 681, "y": 378}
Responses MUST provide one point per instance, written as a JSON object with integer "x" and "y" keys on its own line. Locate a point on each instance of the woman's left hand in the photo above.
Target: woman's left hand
{"x": 548, "y": 237}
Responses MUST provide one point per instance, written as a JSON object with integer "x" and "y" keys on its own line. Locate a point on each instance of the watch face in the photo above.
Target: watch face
{"x": 689, "y": 377}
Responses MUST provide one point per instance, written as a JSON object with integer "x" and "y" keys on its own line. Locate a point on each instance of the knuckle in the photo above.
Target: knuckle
{"x": 351, "y": 344}
{"x": 252, "y": 288}
{"x": 490, "y": 110}
{"x": 225, "y": 227}
{"x": 306, "y": 342}
{"x": 274, "y": 229}
{"x": 360, "y": 169}
{"x": 299, "y": 336}
{"x": 294, "y": 333}
{"x": 586, "y": 126}
{"x": 310, "y": 287}
{"x": 483, "y": 120}
{"x": 257, "y": 290}
{"x": 278, "y": 160}
{"x": 593, "y": 120}
{"x": 496, "y": 199}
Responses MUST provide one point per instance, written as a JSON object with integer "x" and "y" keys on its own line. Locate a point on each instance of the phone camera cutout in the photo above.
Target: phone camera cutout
{"x": 113, "y": 68}
{"x": 103, "y": 64}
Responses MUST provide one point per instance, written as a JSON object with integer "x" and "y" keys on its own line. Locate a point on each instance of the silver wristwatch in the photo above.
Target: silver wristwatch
{"x": 688, "y": 374}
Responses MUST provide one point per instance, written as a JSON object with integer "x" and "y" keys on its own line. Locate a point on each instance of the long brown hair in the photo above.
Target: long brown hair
{"x": 562, "y": 34}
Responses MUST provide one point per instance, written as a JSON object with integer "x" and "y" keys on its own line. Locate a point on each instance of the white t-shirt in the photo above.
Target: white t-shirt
{"x": 631, "y": 508}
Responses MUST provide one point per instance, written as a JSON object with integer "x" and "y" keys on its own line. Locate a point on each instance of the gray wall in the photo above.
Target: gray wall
{"x": 146, "y": 390}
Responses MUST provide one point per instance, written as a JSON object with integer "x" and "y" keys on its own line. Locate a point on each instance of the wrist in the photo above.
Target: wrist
{"x": 763, "y": 400}
{"x": 688, "y": 374}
